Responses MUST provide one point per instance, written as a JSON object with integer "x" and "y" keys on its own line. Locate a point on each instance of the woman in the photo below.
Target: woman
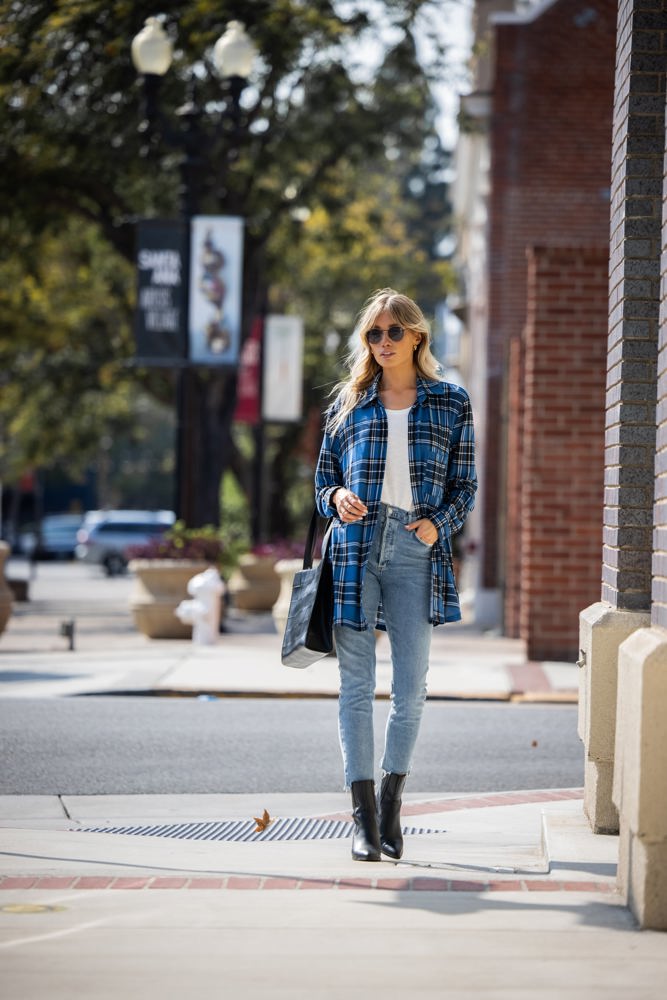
{"x": 397, "y": 471}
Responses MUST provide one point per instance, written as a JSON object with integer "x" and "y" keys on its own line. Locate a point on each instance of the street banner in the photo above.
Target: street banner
{"x": 216, "y": 279}
{"x": 161, "y": 252}
{"x": 283, "y": 369}
{"x": 248, "y": 379}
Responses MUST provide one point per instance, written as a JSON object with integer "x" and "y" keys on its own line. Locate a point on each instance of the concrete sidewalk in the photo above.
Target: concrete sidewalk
{"x": 464, "y": 665}
{"x": 110, "y": 655}
{"x": 482, "y": 842}
{"x": 505, "y": 895}
{"x": 501, "y": 895}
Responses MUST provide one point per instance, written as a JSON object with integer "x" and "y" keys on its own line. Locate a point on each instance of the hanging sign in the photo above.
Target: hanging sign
{"x": 161, "y": 251}
{"x": 283, "y": 368}
{"x": 216, "y": 282}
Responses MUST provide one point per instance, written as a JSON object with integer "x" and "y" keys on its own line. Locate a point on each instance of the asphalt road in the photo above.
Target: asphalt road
{"x": 124, "y": 745}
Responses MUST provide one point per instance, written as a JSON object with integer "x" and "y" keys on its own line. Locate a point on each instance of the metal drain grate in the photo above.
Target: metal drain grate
{"x": 299, "y": 828}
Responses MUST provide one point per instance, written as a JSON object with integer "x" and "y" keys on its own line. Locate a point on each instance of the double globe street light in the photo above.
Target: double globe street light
{"x": 233, "y": 56}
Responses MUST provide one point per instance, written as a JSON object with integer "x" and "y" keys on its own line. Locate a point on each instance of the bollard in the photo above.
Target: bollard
{"x": 203, "y": 611}
{"x": 67, "y": 630}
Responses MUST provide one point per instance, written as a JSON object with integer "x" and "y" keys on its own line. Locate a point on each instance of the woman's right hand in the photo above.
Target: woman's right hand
{"x": 350, "y": 508}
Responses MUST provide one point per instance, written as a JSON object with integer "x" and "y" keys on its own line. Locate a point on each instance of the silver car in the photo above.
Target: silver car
{"x": 54, "y": 538}
{"x": 105, "y": 535}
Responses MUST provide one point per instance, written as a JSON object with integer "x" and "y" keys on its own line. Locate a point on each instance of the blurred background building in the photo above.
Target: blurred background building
{"x": 531, "y": 205}
{"x": 561, "y": 207}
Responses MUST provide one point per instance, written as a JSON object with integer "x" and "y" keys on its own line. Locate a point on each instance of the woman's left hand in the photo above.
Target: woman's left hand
{"x": 425, "y": 530}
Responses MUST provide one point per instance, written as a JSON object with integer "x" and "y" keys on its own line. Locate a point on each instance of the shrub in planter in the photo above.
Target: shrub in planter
{"x": 195, "y": 544}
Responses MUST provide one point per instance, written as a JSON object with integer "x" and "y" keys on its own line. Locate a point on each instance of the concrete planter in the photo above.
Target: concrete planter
{"x": 5, "y": 592}
{"x": 159, "y": 587}
{"x": 255, "y": 585}
{"x": 285, "y": 568}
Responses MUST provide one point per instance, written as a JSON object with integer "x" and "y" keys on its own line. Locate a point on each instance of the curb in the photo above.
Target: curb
{"x": 507, "y": 697}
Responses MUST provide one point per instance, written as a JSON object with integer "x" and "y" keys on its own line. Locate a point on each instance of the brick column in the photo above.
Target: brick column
{"x": 563, "y": 441}
{"x": 621, "y": 655}
{"x": 640, "y": 774}
{"x": 633, "y": 308}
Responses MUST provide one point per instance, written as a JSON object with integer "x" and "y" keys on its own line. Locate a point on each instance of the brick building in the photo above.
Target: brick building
{"x": 623, "y": 636}
{"x": 551, "y": 374}
{"x": 539, "y": 130}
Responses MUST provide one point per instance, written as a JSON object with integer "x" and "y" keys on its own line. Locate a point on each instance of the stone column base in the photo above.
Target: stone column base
{"x": 642, "y": 879}
{"x": 640, "y": 775}
{"x": 599, "y": 808}
{"x": 602, "y": 629}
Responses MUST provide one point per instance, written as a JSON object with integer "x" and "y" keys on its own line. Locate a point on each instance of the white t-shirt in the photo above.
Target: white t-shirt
{"x": 396, "y": 488}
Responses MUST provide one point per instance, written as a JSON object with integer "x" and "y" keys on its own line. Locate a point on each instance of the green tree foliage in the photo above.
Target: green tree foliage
{"x": 64, "y": 309}
{"x": 134, "y": 467}
{"x": 381, "y": 238}
{"x": 317, "y": 133}
{"x": 72, "y": 101}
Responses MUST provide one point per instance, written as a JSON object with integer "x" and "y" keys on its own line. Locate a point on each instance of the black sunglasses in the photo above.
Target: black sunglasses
{"x": 375, "y": 334}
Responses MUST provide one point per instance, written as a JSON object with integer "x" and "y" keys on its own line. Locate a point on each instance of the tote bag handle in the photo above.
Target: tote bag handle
{"x": 310, "y": 539}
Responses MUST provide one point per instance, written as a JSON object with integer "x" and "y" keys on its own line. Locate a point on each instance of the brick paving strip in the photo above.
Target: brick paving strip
{"x": 397, "y": 884}
{"x": 429, "y": 808}
{"x": 419, "y": 883}
{"x": 528, "y": 677}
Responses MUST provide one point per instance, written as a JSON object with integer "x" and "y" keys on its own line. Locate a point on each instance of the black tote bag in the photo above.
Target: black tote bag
{"x": 309, "y": 630}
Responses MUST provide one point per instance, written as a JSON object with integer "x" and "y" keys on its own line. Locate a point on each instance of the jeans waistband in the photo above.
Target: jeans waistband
{"x": 395, "y": 513}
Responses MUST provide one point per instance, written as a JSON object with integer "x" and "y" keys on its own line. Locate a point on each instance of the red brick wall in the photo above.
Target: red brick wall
{"x": 550, "y": 174}
{"x": 659, "y": 589}
{"x": 562, "y": 467}
{"x": 515, "y": 430}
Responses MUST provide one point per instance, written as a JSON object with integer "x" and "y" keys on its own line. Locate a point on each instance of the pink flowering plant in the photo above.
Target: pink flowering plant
{"x": 280, "y": 548}
{"x": 198, "y": 544}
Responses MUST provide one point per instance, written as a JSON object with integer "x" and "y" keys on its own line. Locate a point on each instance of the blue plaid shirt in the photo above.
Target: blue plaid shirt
{"x": 441, "y": 449}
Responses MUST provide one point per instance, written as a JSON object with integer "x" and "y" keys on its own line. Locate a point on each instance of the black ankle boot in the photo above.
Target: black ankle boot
{"x": 391, "y": 837}
{"x": 366, "y": 838}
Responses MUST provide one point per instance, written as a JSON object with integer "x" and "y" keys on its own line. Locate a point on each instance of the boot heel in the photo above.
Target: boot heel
{"x": 366, "y": 836}
{"x": 391, "y": 835}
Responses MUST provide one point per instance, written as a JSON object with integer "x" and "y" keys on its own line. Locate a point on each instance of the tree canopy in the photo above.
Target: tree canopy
{"x": 337, "y": 171}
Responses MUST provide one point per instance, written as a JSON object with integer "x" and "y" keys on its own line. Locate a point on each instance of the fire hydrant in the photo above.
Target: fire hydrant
{"x": 203, "y": 611}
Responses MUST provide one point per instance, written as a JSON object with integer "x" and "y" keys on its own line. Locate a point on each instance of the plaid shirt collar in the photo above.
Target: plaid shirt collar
{"x": 425, "y": 388}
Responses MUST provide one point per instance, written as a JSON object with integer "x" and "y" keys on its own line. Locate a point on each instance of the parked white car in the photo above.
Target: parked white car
{"x": 105, "y": 535}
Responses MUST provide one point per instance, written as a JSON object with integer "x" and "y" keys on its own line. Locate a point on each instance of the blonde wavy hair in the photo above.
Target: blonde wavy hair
{"x": 363, "y": 366}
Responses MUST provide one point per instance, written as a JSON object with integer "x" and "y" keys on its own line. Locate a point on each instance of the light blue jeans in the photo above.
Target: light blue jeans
{"x": 399, "y": 572}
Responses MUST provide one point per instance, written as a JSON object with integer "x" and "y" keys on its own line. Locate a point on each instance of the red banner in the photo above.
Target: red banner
{"x": 248, "y": 384}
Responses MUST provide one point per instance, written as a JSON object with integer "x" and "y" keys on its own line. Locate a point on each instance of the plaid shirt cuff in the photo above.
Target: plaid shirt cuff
{"x": 326, "y": 504}
{"x": 442, "y": 522}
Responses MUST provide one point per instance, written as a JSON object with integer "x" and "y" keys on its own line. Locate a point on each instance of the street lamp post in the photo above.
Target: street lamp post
{"x": 233, "y": 57}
